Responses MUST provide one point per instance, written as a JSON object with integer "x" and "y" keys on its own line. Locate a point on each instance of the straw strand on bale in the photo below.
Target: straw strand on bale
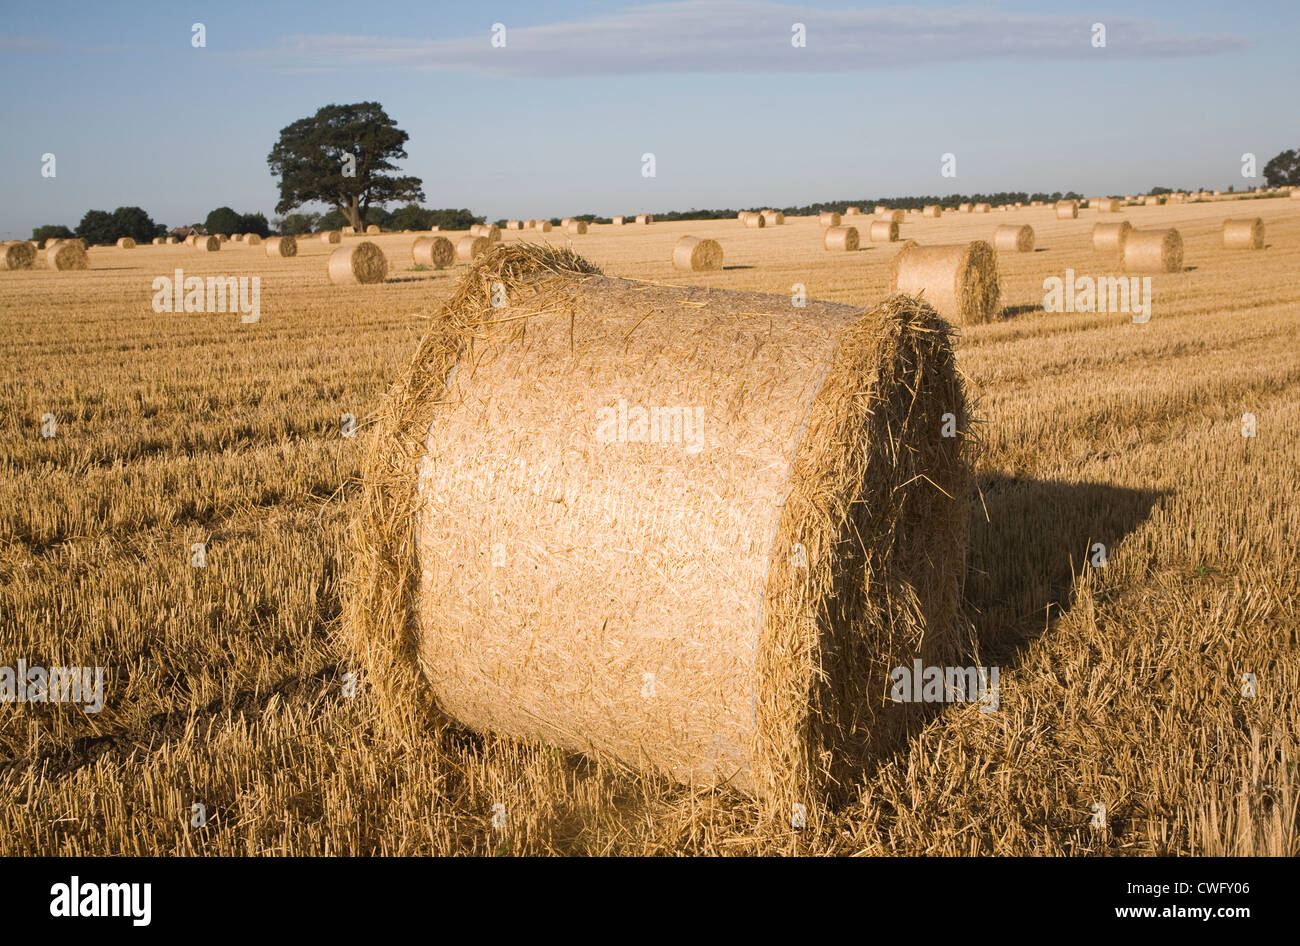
{"x": 1110, "y": 237}
{"x": 883, "y": 231}
{"x": 960, "y": 281}
{"x": 362, "y": 262}
{"x": 1153, "y": 251}
{"x": 1243, "y": 234}
{"x": 766, "y": 663}
{"x": 437, "y": 251}
{"x": 282, "y": 246}
{"x": 695, "y": 253}
{"x": 841, "y": 238}
{"x": 1014, "y": 238}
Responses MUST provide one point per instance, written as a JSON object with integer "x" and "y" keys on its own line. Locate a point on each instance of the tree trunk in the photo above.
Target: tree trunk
{"x": 354, "y": 215}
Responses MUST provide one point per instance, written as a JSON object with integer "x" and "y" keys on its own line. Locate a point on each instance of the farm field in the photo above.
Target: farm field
{"x": 1121, "y": 686}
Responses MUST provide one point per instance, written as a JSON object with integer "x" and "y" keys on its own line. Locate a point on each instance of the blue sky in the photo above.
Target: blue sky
{"x": 556, "y": 122}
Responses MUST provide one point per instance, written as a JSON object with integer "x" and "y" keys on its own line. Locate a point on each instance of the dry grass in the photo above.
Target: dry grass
{"x": 1120, "y": 686}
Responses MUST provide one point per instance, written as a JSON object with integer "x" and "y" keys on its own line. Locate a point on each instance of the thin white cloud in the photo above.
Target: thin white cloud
{"x": 735, "y": 36}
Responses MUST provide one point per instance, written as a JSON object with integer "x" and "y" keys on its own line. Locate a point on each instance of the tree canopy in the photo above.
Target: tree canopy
{"x": 1283, "y": 169}
{"x": 341, "y": 157}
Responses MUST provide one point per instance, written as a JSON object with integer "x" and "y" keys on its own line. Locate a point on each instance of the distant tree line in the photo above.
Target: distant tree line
{"x": 410, "y": 217}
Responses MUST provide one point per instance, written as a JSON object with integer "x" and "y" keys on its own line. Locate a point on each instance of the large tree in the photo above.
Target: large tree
{"x": 1283, "y": 169}
{"x": 340, "y": 157}
{"x": 222, "y": 220}
{"x": 97, "y": 228}
{"x": 133, "y": 222}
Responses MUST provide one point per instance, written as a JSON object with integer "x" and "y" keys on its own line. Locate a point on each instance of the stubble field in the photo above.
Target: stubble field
{"x": 1120, "y": 687}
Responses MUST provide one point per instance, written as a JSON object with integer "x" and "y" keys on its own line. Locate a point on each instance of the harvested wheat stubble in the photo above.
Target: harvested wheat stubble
{"x": 125, "y": 243}
{"x": 829, "y": 219}
{"x": 773, "y": 218}
{"x": 1014, "y": 238}
{"x": 252, "y": 239}
{"x": 362, "y": 262}
{"x": 965, "y": 208}
{"x": 754, "y": 220}
{"x": 695, "y": 254}
{"x": 960, "y": 281}
{"x": 883, "y": 231}
{"x": 841, "y": 238}
{"x": 617, "y": 221}
{"x": 577, "y": 226}
{"x": 735, "y": 627}
{"x": 436, "y": 251}
{"x": 983, "y": 208}
{"x": 1066, "y": 210}
{"x": 471, "y": 247}
{"x": 645, "y": 219}
{"x": 69, "y": 254}
{"x": 1243, "y": 234}
{"x": 1110, "y": 237}
{"x": 17, "y": 255}
{"x": 282, "y": 246}
{"x": 373, "y": 229}
{"x": 1153, "y": 251}
{"x": 932, "y": 210}
{"x": 331, "y": 236}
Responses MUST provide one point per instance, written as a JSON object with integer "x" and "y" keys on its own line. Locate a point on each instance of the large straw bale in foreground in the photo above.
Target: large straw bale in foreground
{"x": 1014, "y": 238}
{"x": 1153, "y": 251}
{"x": 1110, "y": 237}
{"x": 361, "y": 262}
{"x": 1243, "y": 234}
{"x": 437, "y": 251}
{"x": 17, "y": 255}
{"x": 69, "y": 254}
{"x": 696, "y": 253}
{"x": 960, "y": 281}
{"x": 720, "y": 600}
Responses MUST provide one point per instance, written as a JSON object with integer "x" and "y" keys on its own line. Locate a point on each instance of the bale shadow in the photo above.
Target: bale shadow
{"x": 738, "y": 267}
{"x": 1011, "y": 311}
{"x": 1025, "y": 554}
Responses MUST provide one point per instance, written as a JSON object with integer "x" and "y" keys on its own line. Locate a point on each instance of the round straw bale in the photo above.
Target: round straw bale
{"x": 841, "y": 238}
{"x": 1066, "y": 210}
{"x": 1153, "y": 251}
{"x": 755, "y": 220}
{"x": 208, "y": 244}
{"x": 331, "y": 236}
{"x": 965, "y": 208}
{"x": 237, "y": 237}
{"x": 489, "y": 230}
{"x": 932, "y": 210}
{"x": 17, "y": 255}
{"x": 472, "y": 246}
{"x": 372, "y": 229}
{"x": 252, "y": 239}
{"x": 514, "y": 224}
{"x": 852, "y": 211}
{"x": 125, "y": 243}
{"x": 1035, "y": 203}
{"x": 773, "y": 218}
{"x": 171, "y": 241}
{"x": 618, "y": 221}
{"x": 435, "y": 251}
{"x": 157, "y": 241}
{"x": 887, "y": 214}
{"x": 960, "y": 281}
{"x": 69, "y": 254}
{"x": 883, "y": 231}
{"x": 983, "y": 208}
{"x": 564, "y": 222}
{"x": 747, "y": 578}
{"x": 51, "y": 243}
{"x": 577, "y": 226}
{"x": 1014, "y": 238}
{"x": 695, "y": 254}
{"x": 543, "y": 225}
{"x": 879, "y": 209}
{"x": 1243, "y": 234}
{"x": 282, "y": 246}
{"x": 829, "y": 219}
{"x": 222, "y": 237}
{"x": 1106, "y": 205}
{"x": 362, "y": 262}
{"x": 1110, "y": 237}
{"x": 349, "y": 231}
{"x": 645, "y": 219}
{"x": 1151, "y": 201}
